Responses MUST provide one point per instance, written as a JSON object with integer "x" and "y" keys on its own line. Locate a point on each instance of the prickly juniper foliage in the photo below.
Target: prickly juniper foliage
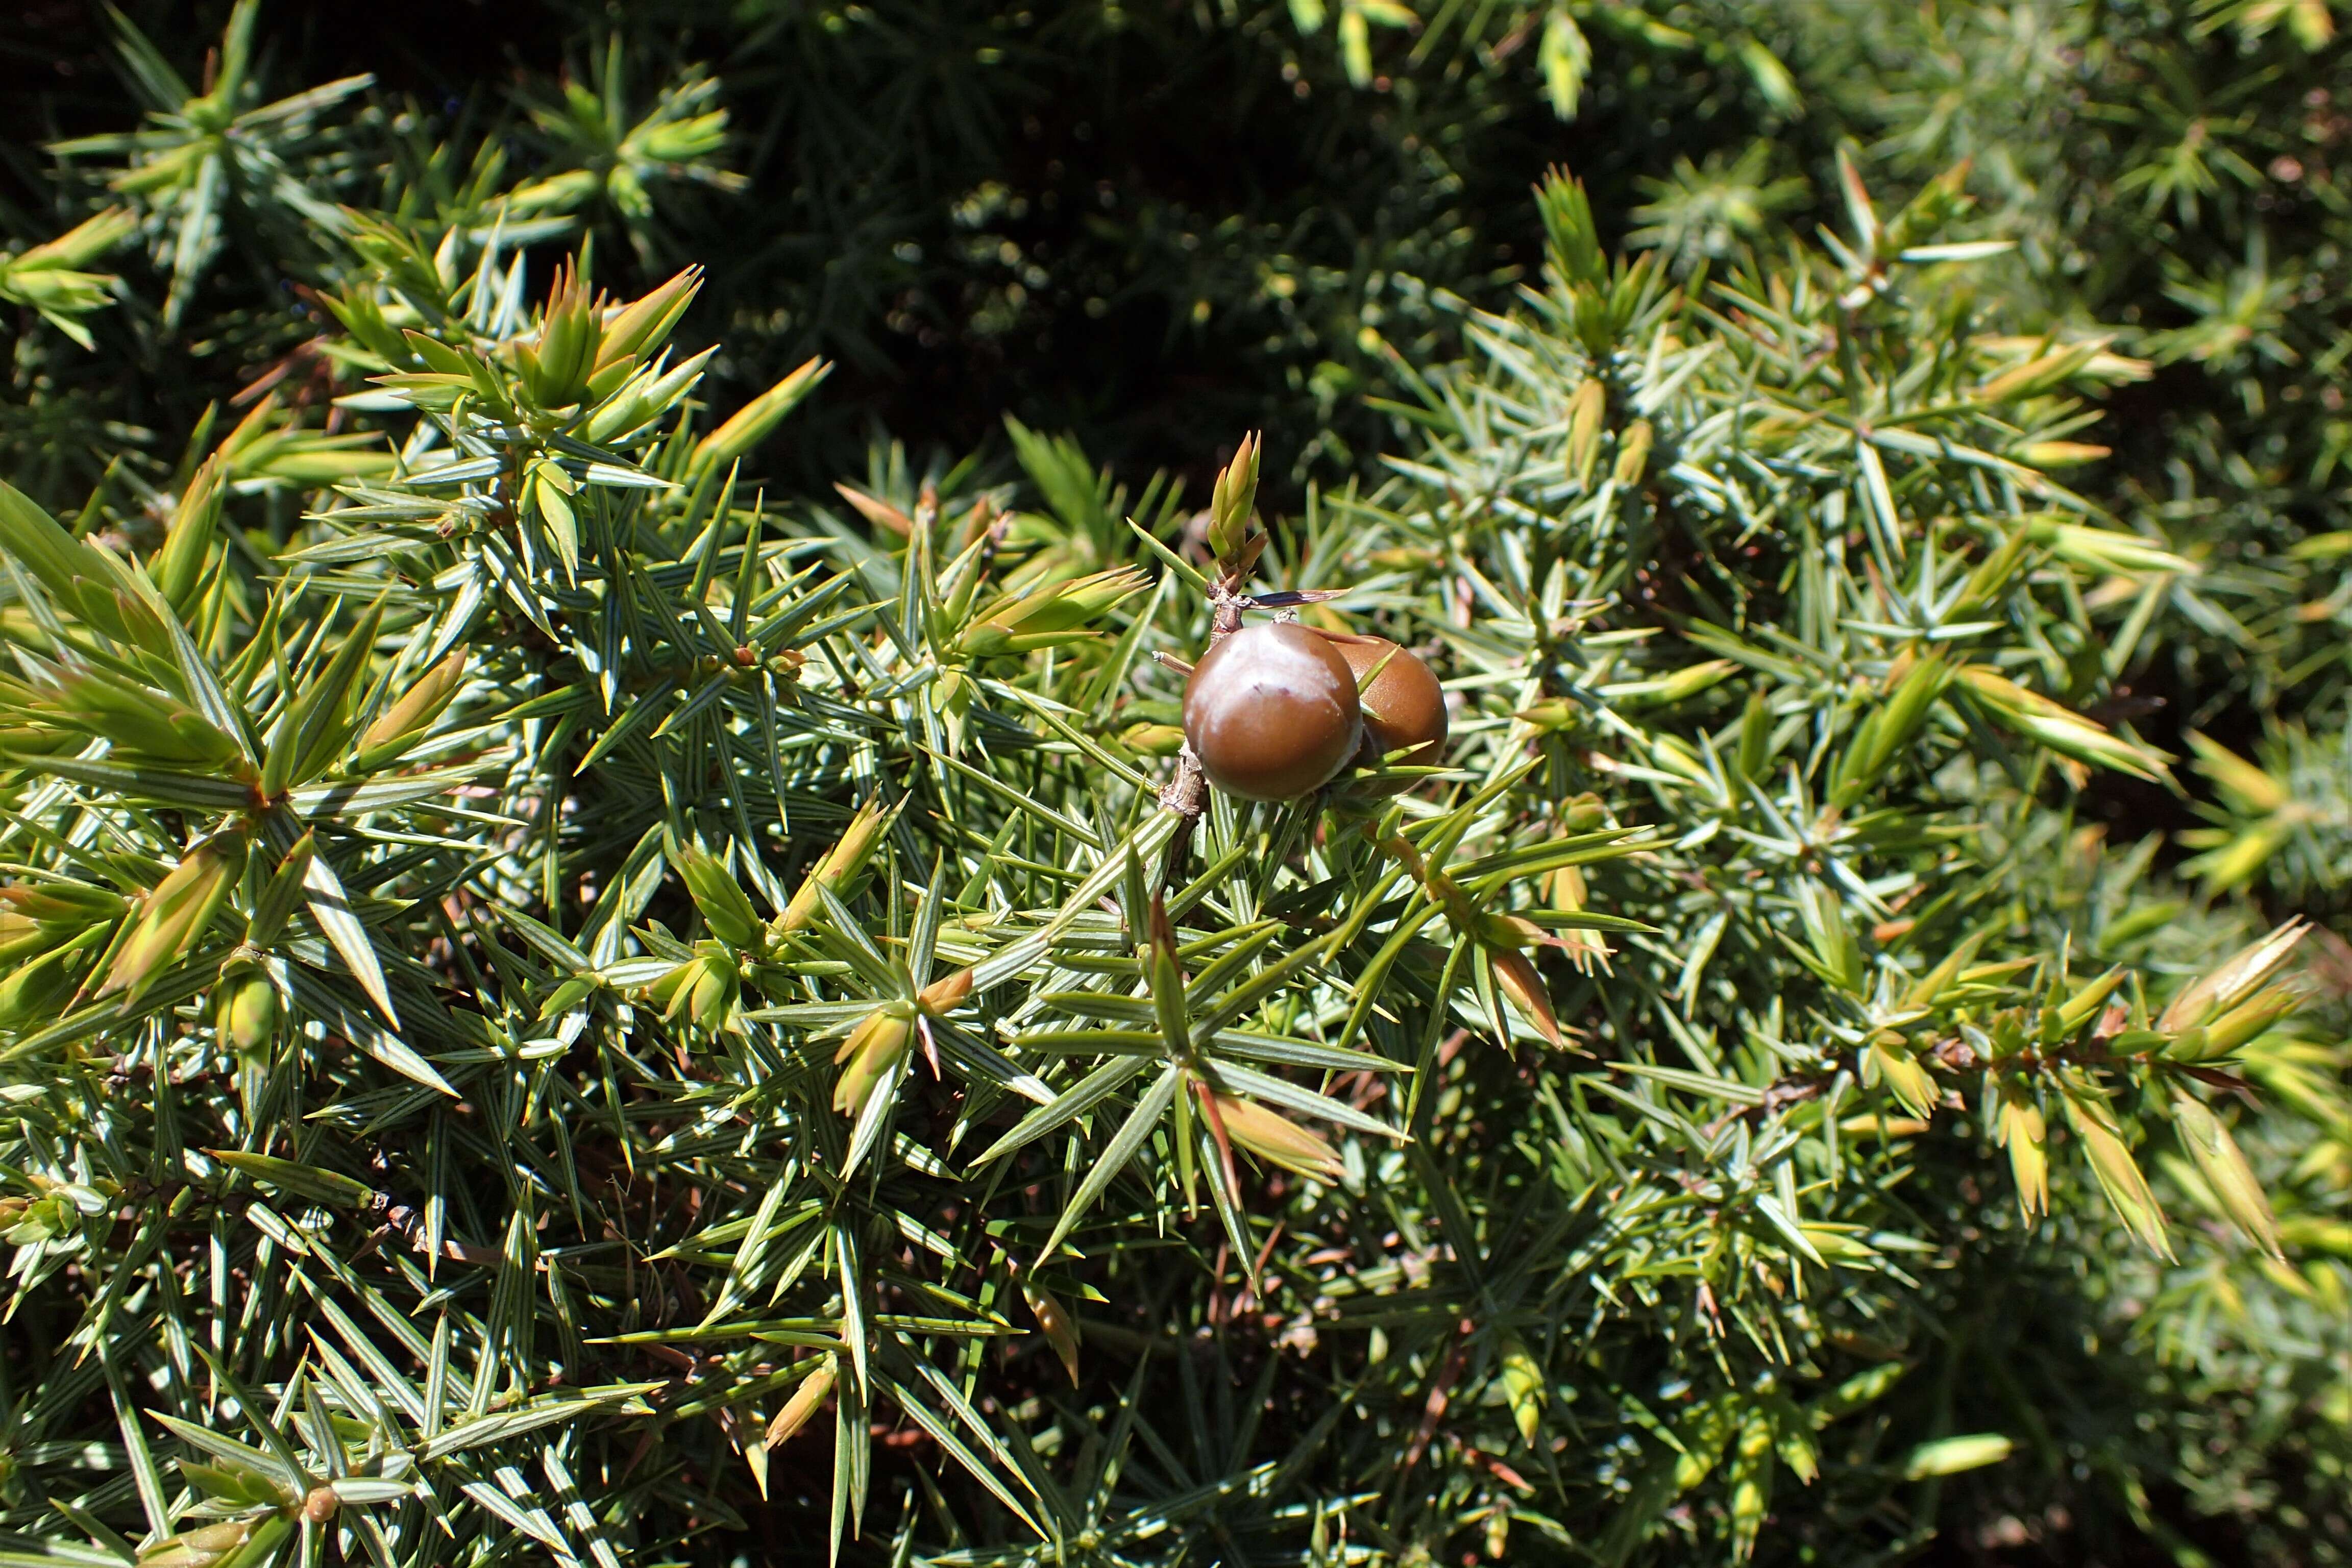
{"x": 566, "y": 992}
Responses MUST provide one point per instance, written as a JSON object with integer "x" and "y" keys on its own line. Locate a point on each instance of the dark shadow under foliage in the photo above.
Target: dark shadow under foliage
{"x": 1148, "y": 223}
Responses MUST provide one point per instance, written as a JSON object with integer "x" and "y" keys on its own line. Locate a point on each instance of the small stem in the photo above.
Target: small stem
{"x": 1187, "y": 795}
{"x": 1226, "y": 603}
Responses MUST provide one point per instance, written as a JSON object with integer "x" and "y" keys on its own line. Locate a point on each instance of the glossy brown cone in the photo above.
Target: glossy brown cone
{"x": 1271, "y": 713}
{"x": 1403, "y": 705}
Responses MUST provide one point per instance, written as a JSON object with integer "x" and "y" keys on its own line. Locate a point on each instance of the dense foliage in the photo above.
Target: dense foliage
{"x": 600, "y": 958}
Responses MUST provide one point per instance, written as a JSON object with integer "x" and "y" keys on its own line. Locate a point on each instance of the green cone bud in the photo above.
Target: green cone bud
{"x": 178, "y": 567}
{"x": 724, "y": 908}
{"x": 68, "y": 904}
{"x": 245, "y": 1011}
{"x": 2245, "y": 973}
{"x": 2225, "y": 1170}
{"x": 556, "y": 366}
{"x": 1276, "y": 1139}
{"x": 1585, "y": 408}
{"x": 199, "y": 1547}
{"x": 1230, "y": 504}
{"x": 142, "y": 722}
{"x": 641, "y": 327}
{"x": 1153, "y": 740}
{"x": 22, "y": 938}
{"x": 804, "y": 1403}
{"x": 173, "y": 917}
{"x": 706, "y": 991}
{"x": 399, "y": 727}
{"x": 1523, "y": 1388}
{"x": 839, "y": 868}
{"x": 1048, "y": 616}
{"x": 872, "y": 1049}
{"x": 36, "y": 993}
{"x": 1632, "y": 453}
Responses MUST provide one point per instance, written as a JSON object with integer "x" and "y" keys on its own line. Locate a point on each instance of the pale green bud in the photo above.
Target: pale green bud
{"x": 174, "y": 915}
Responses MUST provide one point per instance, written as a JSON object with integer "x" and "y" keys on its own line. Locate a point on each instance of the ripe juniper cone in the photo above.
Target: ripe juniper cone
{"x": 1403, "y": 705}
{"x": 1271, "y": 713}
